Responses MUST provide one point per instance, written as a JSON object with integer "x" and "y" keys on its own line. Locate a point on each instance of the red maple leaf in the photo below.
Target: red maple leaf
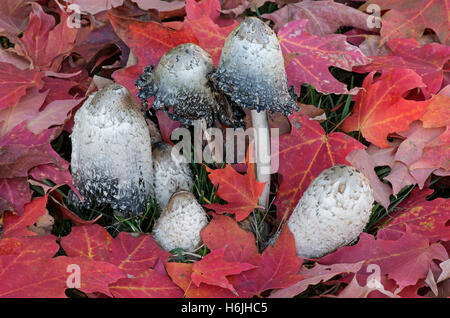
{"x": 14, "y": 83}
{"x": 436, "y": 154}
{"x": 380, "y": 108}
{"x": 406, "y": 260}
{"x": 18, "y": 225}
{"x": 14, "y": 194}
{"x": 324, "y": 17}
{"x": 303, "y": 155}
{"x": 22, "y": 151}
{"x": 308, "y": 58}
{"x": 14, "y": 16}
{"x": 428, "y": 218}
{"x": 240, "y": 191}
{"x": 427, "y": 61}
{"x": 180, "y": 273}
{"x": 213, "y": 270}
{"x": 437, "y": 113}
{"x": 313, "y": 276}
{"x": 132, "y": 255}
{"x": 39, "y": 117}
{"x": 407, "y": 19}
{"x": 149, "y": 285}
{"x": 277, "y": 267}
{"x": 28, "y": 269}
{"x": 45, "y": 44}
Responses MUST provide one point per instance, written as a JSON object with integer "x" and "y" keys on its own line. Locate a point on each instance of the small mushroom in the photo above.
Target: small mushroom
{"x": 332, "y": 212}
{"x": 180, "y": 223}
{"x": 251, "y": 72}
{"x": 181, "y": 81}
{"x": 171, "y": 173}
{"x": 111, "y": 152}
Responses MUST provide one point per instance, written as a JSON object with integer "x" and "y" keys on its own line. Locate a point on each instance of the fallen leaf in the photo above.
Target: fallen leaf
{"x": 427, "y": 61}
{"x": 410, "y": 19}
{"x": 324, "y": 17}
{"x": 213, "y": 270}
{"x": 17, "y": 226}
{"x": 311, "y": 57}
{"x": 44, "y": 43}
{"x": 240, "y": 191}
{"x": 361, "y": 160}
{"x": 14, "y": 194}
{"x": 180, "y": 273}
{"x": 406, "y": 260}
{"x": 133, "y": 255}
{"x": 313, "y": 276}
{"x": 380, "y": 108}
{"x": 436, "y": 154}
{"x": 14, "y": 16}
{"x": 428, "y": 218}
{"x": 149, "y": 285}
{"x": 277, "y": 266}
{"x": 14, "y": 83}
{"x": 437, "y": 113}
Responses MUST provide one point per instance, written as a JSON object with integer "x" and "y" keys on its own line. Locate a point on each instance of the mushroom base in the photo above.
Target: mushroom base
{"x": 105, "y": 191}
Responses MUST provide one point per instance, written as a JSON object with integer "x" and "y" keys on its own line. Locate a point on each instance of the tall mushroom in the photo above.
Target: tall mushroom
{"x": 332, "y": 212}
{"x": 181, "y": 88}
{"x": 111, "y": 152}
{"x": 251, "y": 71}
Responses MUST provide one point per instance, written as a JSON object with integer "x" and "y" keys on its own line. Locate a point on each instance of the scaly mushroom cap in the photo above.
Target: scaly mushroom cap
{"x": 171, "y": 173}
{"x": 251, "y": 69}
{"x": 180, "y": 80}
{"x": 180, "y": 223}
{"x": 332, "y": 212}
{"x": 111, "y": 152}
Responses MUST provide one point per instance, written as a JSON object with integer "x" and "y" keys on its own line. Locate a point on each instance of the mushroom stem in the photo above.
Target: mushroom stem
{"x": 262, "y": 154}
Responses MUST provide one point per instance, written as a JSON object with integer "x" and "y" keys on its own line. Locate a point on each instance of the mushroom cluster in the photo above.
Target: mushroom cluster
{"x": 250, "y": 75}
{"x": 332, "y": 212}
{"x": 111, "y": 152}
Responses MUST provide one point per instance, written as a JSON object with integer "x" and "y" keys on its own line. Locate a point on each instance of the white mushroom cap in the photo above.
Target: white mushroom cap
{"x": 251, "y": 68}
{"x": 181, "y": 80}
{"x": 171, "y": 173}
{"x": 180, "y": 223}
{"x": 111, "y": 152}
{"x": 332, "y": 212}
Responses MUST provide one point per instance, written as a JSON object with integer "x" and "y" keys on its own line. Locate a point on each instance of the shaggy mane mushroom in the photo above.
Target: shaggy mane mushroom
{"x": 251, "y": 72}
{"x": 332, "y": 212}
{"x": 111, "y": 152}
